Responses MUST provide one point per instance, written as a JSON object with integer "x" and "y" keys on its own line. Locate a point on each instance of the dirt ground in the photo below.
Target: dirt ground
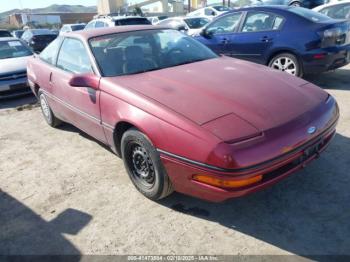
{"x": 64, "y": 193}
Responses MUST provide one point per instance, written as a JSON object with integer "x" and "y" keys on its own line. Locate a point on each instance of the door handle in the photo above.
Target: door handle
{"x": 266, "y": 39}
{"x": 50, "y": 78}
{"x": 225, "y": 41}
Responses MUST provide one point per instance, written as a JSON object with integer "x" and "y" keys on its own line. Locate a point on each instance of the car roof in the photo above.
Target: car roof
{"x": 320, "y": 7}
{"x": 264, "y": 7}
{"x": 87, "y": 34}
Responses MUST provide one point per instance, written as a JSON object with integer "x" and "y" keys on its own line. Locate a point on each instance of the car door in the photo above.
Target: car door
{"x": 218, "y": 33}
{"x": 82, "y": 104}
{"x": 256, "y": 36}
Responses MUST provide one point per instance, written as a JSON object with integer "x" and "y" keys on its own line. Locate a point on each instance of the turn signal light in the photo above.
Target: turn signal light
{"x": 227, "y": 183}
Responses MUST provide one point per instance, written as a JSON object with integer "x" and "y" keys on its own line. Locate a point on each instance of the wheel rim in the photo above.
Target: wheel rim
{"x": 45, "y": 107}
{"x": 141, "y": 166}
{"x": 285, "y": 64}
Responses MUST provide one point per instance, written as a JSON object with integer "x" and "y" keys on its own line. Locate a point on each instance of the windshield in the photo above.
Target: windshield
{"x": 195, "y": 23}
{"x": 12, "y": 49}
{"x": 309, "y": 14}
{"x": 133, "y": 21}
{"x": 337, "y": 11}
{"x": 148, "y": 50}
{"x": 77, "y": 27}
{"x": 5, "y": 34}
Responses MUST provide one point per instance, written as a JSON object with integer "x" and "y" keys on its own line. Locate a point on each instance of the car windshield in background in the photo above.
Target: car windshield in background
{"x": 77, "y": 27}
{"x": 195, "y": 23}
{"x": 148, "y": 50}
{"x": 13, "y": 49}
{"x": 133, "y": 21}
{"x": 309, "y": 14}
{"x": 338, "y": 11}
{"x": 221, "y": 8}
{"x": 5, "y": 34}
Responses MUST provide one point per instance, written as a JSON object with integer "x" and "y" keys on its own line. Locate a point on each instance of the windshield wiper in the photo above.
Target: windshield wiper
{"x": 190, "y": 61}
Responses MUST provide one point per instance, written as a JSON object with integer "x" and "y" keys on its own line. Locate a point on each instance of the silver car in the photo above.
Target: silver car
{"x": 13, "y": 63}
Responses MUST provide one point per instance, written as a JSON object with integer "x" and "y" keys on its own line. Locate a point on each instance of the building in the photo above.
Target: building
{"x": 22, "y": 19}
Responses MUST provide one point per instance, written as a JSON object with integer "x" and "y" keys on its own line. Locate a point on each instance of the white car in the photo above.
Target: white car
{"x": 13, "y": 67}
{"x": 337, "y": 10}
{"x": 72, "y": 27}
{"x": 110, "y": 21}
{"x": 189, "y": 25}
{"x": 210, "y": 11}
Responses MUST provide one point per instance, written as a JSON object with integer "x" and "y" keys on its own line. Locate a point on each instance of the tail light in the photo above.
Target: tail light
{"x": 333, "y": 36}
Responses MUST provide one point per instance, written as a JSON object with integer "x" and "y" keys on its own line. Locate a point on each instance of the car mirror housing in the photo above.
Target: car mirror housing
{"x": 205, "y": 33}
{"x": 85, "y": 80}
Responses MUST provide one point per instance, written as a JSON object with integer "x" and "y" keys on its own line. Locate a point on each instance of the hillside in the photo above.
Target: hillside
{"x": 53, "y": 8}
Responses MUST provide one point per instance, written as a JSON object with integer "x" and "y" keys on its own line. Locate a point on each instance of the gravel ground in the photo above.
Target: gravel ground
{"x": 64, "y": 193}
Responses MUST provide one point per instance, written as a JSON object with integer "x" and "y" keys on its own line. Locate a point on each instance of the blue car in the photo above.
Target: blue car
{"x": 292, "y": 39}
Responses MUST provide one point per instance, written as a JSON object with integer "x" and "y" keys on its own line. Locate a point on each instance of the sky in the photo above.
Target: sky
{"x": 12, "y": 4}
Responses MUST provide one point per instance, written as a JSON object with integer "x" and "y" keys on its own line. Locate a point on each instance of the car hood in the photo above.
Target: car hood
{"x": 11, "y": 65}
{"x": 207, "y": 90}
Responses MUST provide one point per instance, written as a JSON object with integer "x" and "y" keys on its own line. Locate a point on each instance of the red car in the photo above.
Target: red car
{"x": 181, "y": 117}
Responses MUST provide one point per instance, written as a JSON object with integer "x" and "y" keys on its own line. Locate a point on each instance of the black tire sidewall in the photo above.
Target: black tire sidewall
{"x": 299, "y": 69}
{"x": 134, "y": 136}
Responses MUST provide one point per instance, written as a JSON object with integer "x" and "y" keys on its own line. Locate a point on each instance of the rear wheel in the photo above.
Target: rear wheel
{"x": 144, "y": 166}
{"x": 47, "y": 112}
{"x": 286, "y": 62}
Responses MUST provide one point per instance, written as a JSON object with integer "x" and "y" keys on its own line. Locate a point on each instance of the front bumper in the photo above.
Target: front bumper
{"x": 181, "y": 172}
{"x": 327, "y": 59}
{"x": 14, "y": 87}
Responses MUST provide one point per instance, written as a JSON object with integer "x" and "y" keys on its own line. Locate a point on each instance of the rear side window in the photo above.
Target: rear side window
{"x": 77, "y": 64}
{"x": 50, "y": 52}
{"x": 261, "y": 21}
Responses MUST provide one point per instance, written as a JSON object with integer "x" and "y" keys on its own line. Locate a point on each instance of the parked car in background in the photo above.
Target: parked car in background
{"x": 336, "y": 10}
{"x": 5, "y": 33}
{"x": 210, "y": 11}
{"x": 188, "y": 25}
{"x": 235, "y": 127}
{"x": 13, "y": 67}
{"x": 291, "y": 39}
{"x": 299, "y": 3}
{"x": 18, "y": 33}
{"x": 72, "y": 27}
{"x": 110, "y": 21}
{"x": 38, "y": 39}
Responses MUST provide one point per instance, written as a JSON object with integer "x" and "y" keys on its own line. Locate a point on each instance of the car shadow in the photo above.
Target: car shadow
{"x": 338, "y": 79}
{"x": 18, "y": 102}
{"x": 23, "y": 232}
{"x": 71, "y": 128}
{"x": 305, "y": 214}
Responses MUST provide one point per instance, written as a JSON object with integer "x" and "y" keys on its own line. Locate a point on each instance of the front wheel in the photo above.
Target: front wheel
{"x": 144, "y": 167}
{"x": 286, "y": 62}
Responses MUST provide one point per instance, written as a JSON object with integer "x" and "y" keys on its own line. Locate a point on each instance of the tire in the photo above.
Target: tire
{"x": 144, "y": 167}
{"x": 50, "y": 118}
{"x": 296, "y": 3}
{"x": 287, "y": 62}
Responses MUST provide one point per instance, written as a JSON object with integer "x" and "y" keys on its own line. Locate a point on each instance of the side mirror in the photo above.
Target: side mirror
{"x": 182, "y": 28}
{"x": 85, "y": 80}
{"x": 205, "y": 33}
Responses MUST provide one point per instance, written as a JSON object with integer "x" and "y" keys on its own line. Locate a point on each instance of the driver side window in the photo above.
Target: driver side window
{"x": 227, "y": 24}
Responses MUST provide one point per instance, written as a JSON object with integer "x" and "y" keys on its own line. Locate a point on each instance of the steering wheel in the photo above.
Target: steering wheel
{"x": 220, "y": 30}
{"x": 174, "y": 51}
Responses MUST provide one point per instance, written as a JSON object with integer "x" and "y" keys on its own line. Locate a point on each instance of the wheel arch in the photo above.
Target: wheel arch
{"x": 285, "y": 50}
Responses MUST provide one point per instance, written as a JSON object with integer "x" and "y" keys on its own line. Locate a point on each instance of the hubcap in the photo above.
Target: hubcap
{"x": 142, "y": 166}
{"x": 45, "y": 107}
{"x": 285, "y": 64}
